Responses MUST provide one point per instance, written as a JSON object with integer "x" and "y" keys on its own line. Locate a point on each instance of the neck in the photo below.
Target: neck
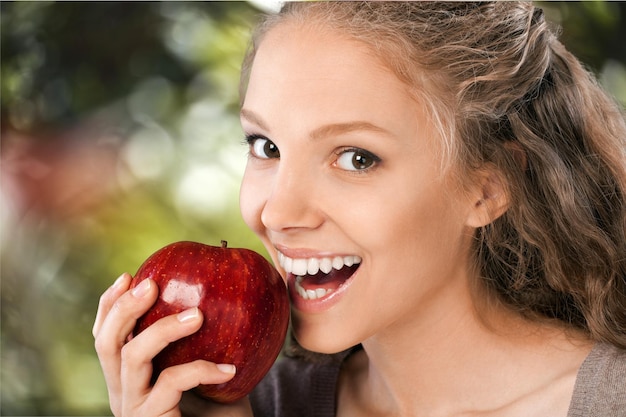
{"x": 454, "y": 364}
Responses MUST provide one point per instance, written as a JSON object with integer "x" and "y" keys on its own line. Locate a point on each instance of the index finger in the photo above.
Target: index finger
{"x": 108, "y": 298}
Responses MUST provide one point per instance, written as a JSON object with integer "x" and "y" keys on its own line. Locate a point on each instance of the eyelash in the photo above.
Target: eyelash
{"x": 250, "y": 138}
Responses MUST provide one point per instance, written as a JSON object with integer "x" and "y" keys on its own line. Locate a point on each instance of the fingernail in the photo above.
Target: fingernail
{"x": 119, "y": 281}
{"x": 188, "y": 315}
{"x": 227, "y": 368}
{"x": 142, "y": 289}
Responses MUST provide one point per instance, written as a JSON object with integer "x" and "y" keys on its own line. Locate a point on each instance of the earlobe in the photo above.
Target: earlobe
{"x": 490, "y": 200}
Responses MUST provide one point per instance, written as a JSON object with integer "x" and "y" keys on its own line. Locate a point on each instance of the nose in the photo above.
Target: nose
{"x": 293, "y": 203}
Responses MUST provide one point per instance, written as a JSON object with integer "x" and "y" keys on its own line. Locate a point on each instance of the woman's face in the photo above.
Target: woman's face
{"x": 345, "y": 189}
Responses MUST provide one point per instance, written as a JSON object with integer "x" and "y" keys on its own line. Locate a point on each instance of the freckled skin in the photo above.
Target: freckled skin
{"x": 243, "y": 300}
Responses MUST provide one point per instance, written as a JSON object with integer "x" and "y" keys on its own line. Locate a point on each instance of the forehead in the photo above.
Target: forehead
{"x": 313, "y": 42}
{"x": 313, "y": 68}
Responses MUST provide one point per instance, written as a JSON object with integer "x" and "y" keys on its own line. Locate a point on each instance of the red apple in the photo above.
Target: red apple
{"x": 243, "y": 300}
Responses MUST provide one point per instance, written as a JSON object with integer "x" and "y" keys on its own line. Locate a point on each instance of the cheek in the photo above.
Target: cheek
{"x": 414, "y": 226}
{"x": 251, "y": 203}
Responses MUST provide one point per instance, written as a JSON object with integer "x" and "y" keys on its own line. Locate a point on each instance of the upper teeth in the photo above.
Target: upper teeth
{"x": 311, "y": 266}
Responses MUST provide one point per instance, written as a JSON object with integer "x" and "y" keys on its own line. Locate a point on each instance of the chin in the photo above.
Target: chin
{"x": 319, "y": 340}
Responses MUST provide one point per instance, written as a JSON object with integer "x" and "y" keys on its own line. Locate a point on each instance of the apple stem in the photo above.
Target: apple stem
{"x": 224, "y": 243}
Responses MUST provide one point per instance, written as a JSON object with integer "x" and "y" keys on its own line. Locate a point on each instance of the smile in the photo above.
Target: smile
{"x": 315, "y": 278}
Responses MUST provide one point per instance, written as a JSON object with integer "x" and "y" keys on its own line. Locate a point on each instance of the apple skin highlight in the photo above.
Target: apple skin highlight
{"x": 244, "y": 302}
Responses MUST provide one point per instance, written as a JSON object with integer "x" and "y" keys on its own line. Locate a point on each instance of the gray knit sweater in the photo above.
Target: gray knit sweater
{"x": 296, "y": 388}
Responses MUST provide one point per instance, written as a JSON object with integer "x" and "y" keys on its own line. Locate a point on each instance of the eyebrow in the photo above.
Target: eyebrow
{"x": 332, "y": 129}
{"x": 252, "y": 117}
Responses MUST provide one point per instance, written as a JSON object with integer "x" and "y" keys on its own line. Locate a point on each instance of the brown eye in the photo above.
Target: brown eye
{"x": 263, "y": 148}
{"x": 356, "y": 160}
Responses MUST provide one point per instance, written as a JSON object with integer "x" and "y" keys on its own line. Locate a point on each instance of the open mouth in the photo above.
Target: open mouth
{"x": 316, "y": 278}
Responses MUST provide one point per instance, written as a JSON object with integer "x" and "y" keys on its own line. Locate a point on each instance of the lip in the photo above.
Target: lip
{"x": 321, "y": 304}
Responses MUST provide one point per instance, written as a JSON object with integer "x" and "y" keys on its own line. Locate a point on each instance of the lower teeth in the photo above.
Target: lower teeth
{"x": 310, "y": 294}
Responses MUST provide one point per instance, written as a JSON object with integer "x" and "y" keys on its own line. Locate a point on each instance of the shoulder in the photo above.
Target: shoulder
{"x": 600, "y": 388}
{"x": 295, "y": 387}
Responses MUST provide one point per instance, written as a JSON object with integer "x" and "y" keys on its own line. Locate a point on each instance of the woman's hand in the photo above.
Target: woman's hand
{"x": 127, "y": 363}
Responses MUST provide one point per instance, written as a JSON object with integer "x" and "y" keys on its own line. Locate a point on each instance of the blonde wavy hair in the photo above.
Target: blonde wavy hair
{"x": 504, "y": 92}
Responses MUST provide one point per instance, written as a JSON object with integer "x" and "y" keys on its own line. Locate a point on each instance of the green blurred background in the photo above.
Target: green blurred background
{"x": 120, "y": 134}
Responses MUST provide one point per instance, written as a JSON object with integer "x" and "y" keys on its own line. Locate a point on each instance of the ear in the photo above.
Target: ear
{"x": 489, "y": 198}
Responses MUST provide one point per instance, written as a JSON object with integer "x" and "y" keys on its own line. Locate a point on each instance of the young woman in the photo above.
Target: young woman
{"x": 443, "y": 188}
